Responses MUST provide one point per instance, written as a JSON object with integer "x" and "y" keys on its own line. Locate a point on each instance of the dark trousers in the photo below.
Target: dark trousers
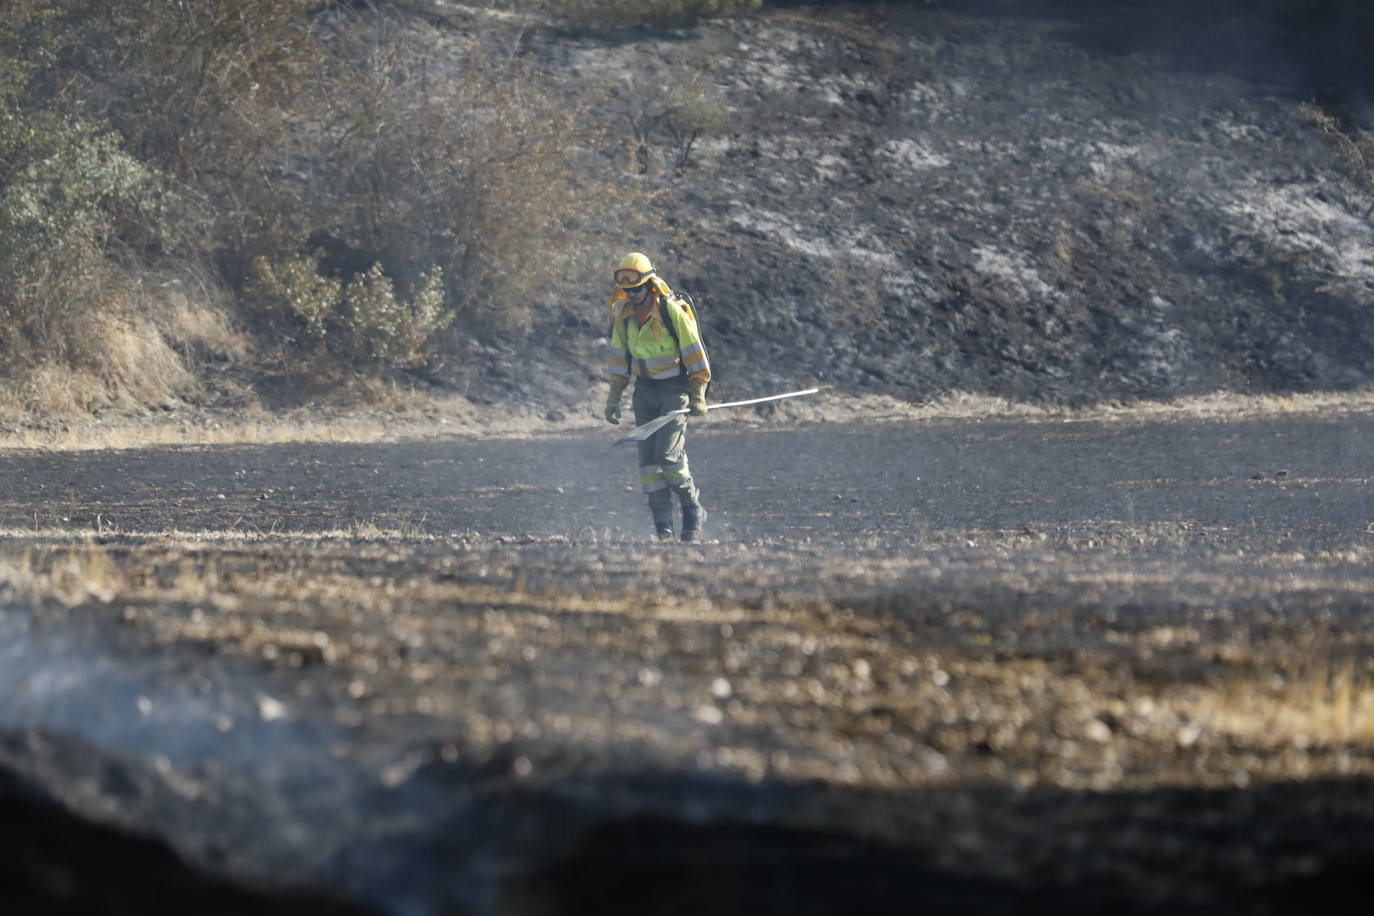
{"x": 663, "y": 468}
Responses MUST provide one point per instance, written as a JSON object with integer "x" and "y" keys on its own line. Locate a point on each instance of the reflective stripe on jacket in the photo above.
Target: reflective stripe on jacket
{"x": 652, "y": 351}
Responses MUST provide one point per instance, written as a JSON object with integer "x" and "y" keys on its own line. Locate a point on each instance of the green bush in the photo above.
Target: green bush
{"x": 361, "y": 320}
{"x": 293, "y": 287}
{"x": 71, "y": 195}
{"x": 388, "y": 329}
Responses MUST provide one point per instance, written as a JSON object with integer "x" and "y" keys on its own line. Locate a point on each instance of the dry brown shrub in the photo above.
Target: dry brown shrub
{"x": 1353, "y": 151}
{"x": 429, "y": 154}
{"x": 668, "y": 111}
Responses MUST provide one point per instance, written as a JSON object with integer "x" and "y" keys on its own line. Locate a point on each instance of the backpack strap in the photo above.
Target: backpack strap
{"x": 625, "y": 336}
{"x": 668, "y": 323}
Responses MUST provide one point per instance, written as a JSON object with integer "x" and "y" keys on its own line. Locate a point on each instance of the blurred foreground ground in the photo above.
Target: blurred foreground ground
{"x": 992, "y": 666}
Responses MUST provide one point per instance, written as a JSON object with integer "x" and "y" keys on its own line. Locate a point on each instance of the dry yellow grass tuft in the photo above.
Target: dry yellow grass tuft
{"x": 1321, "y": 707}
{"x": 395, "y": 415}
{"x": 1217, "y": 405}
{"x": 247, "y": 432}
{"x": 135, "y": 356}
{"x": 69, "y": 575}
{"x": 831, "y": 406}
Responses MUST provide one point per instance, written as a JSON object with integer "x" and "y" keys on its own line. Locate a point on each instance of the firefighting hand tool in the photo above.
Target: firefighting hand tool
{"x": 640, "y": 433}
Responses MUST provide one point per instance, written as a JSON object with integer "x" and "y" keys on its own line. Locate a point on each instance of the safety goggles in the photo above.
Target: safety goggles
{"x": 629, "y": 277}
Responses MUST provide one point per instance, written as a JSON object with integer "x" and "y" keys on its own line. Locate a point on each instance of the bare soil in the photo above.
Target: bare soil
{"x": 984, "y": 665}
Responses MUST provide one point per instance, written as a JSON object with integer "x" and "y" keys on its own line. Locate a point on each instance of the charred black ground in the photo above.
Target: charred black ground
{"x": 1037, "y": 664}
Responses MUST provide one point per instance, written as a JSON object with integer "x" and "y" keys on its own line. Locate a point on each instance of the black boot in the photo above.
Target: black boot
{"x": 663, "y": 522}
{"x": 693, "y": 522}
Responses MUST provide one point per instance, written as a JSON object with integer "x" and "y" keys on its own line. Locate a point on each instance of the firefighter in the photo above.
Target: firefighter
{"x": 655, "y": 341}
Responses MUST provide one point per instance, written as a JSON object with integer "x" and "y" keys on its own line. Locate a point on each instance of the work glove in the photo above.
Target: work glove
{"x": 696, "y": 398}
{"x": 613, "y": 401}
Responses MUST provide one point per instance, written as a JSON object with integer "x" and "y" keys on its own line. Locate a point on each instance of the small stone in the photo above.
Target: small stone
{"x": 1097, "y": 731}
{"x": 269, "y": 709}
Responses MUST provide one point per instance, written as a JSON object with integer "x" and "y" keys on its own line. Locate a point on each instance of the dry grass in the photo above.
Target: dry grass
{"x": 67, "y": 575}
{"x": 1186, "y": 702}
{"x": 393, "y": 414}
{"x": 1217, "y": 405}
{"x": 250, "y": 432}
{"x": 139, "y": 364}
{"x": 197, "y": 319}
{"x": 1325, "y": 705}
{"x": 832, "y": 406}
{"x": 363, "y": 531}
{"x": 139, "y": 354}
{"x": 459, "y": 653}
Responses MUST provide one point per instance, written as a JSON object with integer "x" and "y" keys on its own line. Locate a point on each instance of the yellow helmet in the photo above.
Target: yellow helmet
{"x": 635, "y": 269}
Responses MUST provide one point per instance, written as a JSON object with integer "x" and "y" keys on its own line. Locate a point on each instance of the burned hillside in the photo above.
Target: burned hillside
{"x": 1028, "y": 200}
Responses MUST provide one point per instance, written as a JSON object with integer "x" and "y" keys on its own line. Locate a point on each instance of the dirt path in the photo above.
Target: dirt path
{"x": 993, "y": 665}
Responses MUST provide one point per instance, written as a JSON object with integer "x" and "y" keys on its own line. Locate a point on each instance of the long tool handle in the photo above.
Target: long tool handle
{"x": 640, "y": 433}
{"x": 771, "y": 397}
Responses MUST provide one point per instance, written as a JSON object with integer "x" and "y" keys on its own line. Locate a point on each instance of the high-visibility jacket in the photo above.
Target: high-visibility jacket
{"x": 656, "y": 350}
